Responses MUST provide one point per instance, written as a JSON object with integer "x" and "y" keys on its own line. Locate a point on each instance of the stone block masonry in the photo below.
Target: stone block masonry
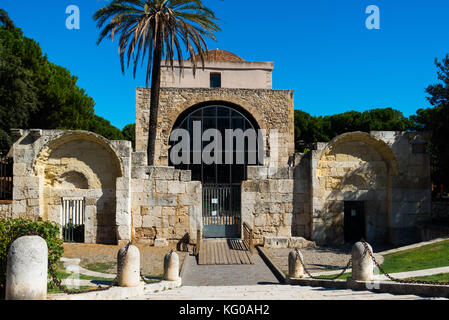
{"x": 271, "y": 109}
{"x": 165, "y": 204}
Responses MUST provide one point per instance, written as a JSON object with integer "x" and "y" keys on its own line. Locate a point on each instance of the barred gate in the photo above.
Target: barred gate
{"x": 221, "y": 211}
{"x": 73, "y": 217}
{"x": 6, "y": 177}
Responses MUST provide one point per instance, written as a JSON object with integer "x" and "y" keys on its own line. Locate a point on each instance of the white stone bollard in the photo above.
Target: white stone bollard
{"x": 171, "y": 266}
{"x": 295, "y": 267}
{"x": 128, "y": 266}
{"x": 362, "y": 263}
{"x": 26, "y": 272}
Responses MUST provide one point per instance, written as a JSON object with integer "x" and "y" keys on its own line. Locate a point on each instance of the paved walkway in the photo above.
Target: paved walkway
{"x": 226, "y": 275}
{"x": 270, "y": 292}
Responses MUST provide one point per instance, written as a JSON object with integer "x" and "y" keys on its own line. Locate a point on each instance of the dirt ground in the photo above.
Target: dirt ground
{"x": 320, "y": 258}
{"x": 151, "y": 258}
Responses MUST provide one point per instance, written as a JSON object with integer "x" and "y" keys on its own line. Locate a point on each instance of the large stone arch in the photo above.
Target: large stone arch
{"x": 271, "y": 109}
{"x": 352, "y": 167}
{"x": 80, "y": 164}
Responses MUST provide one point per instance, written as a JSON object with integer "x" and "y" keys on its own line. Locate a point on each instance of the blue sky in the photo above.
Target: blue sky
{"x": 321, "y": 49}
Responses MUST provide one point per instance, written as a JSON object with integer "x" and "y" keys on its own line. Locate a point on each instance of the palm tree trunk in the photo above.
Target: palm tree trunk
{"x": 154, "y": 103}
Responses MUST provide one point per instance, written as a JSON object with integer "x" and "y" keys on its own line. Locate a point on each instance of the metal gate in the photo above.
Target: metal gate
{"x": 221, "y": 211}
{"x": 6, "y": 177}
{"x": 73, "y": 217}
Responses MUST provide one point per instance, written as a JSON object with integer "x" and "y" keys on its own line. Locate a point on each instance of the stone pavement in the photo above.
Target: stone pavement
{"x": 226, "y": 275}
{"x": 270, "y": 292}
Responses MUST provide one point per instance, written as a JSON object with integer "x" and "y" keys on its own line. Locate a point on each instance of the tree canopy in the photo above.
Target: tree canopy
{"x": 436, "y": 119}
{"x": 35, "y": 93}
{"x": 309, "y": 129}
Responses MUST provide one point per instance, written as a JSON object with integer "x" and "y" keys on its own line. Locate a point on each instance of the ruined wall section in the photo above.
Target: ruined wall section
{"x": 166, "y": 204}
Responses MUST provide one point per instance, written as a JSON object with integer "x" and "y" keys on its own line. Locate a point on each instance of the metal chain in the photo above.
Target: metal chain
{"x": 318, "y": 278}
{"x": 367, "y": 249}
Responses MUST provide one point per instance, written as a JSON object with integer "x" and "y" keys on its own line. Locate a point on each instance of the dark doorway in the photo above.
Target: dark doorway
{"x": 354, "y": 221}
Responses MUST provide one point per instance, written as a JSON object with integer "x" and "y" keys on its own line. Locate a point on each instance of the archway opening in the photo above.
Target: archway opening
{"x": 222, "y": 139}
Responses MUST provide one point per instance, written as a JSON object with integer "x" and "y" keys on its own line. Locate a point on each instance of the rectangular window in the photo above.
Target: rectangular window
{"x": 215, "y": 80}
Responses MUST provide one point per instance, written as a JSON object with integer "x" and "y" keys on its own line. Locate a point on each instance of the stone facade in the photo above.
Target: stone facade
{"x": 267, "y": 201}
{"x": 165, "y": 202}
{"x": 383, "y": 170}
{"x": 125, "y": 199}
{"x": 272, "y": 110}
{"x": 51, "y": 165}
{"x": 287, "y": 199}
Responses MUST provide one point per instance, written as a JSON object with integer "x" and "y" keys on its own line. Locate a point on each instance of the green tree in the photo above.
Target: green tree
{"x": 152, "y": 30}
{"x": 436, "y": 119}
{"x": 35, "y": 93}
{"x": 129, "y": 133}
{"x": 309, "y": 129}
{"x": 6, "y": 21}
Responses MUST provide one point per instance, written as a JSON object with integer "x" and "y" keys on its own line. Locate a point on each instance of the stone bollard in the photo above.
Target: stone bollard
{"x": 295, "y": 268}
{"x": 362, "y": 264}
{"x": 128, "y": 266}
{"x": 171, "y": 266}
{"x": 26, "y": 271}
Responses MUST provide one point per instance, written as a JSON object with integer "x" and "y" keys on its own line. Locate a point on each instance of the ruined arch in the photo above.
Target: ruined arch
{"x": 353, "y": 167}
{"x": 80, "y": 164}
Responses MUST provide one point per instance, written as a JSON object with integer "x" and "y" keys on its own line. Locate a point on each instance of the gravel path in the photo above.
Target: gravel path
{"x": 316, "y": 259}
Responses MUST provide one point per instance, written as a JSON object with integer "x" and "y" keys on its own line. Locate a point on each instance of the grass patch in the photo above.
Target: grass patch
{"x": 62, "y": 274}
{"x": 426, "y": 257}
{"x": 442, "y": 277}
{"x": 154, "y": 278}
{"x": 100, "y": 267}
{"x": 331, "y": 276}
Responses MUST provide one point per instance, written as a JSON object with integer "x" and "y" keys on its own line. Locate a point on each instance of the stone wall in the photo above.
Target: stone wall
{"x": 234, "y": 74}
{"x": 166, "y": 204}
{"x": 50, "y": 165}
{"x": 5, "y": 209}
{"x": 410, "y": 186}
{"x": 383, "y": 170}
{"x": 302, "y": 218}
{"x": 272, "y": 109}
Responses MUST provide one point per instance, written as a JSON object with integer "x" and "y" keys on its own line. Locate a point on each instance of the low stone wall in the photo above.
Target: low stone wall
{"x": 5, "y": 209}
{"x": 165, "y": 204}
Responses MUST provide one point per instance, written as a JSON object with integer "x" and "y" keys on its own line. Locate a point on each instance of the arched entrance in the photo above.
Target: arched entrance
{"x": 222, "y": 177}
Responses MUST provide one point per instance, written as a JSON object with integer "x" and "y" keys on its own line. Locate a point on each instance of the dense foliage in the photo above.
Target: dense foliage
{"x": 436, "y": 119}
{"x": 309, "y": 129}
{"x": 129, "y": 133}
{"x": 11, "y": 229}
{"x": 35, "y": 93}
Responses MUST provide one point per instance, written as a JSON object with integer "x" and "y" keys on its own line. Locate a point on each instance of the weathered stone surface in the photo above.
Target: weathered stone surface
{"x": 295, "y": 267}
{"x": 272, "y": 109}
{"x": 362, "y": 263}
{"x": 128, "y": 266}
{"x": 160, "y": 242}
{"x": 300, "y": 242}
{"x": 26, "y": 275}
{"x": 171, "y": 266}
{"x": 275, "y": 242}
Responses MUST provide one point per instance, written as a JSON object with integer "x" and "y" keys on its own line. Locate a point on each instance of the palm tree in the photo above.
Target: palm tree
{"x": 153, "y": 29}
{"x": 6, "y": 21}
